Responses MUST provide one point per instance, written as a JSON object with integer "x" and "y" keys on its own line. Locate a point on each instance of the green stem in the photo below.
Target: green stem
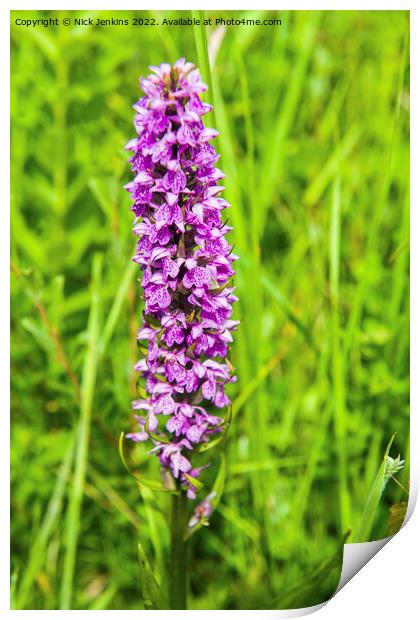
{"x": 400, "y": 485}
{"x": 178, "y": 585}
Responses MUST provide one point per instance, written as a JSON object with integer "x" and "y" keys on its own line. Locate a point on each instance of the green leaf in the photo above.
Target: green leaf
{"x": 140, "y": 387}
{"x": 142, "y": 348}
{"x": 197, "y": 484}
{"x": 154, "y": 485}
{"x": 159, "y": 438}
{"x": 372, "y": 502}
{"x": 220, "y": 437}
{"x": 151, "y": 593}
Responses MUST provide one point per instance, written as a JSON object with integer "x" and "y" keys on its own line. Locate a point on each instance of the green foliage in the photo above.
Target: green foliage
{"x": 314, "y": 139}
{"x": 154, "y": 485}
{"x": 151, "y": 594}
{"x": 369, "y": 512}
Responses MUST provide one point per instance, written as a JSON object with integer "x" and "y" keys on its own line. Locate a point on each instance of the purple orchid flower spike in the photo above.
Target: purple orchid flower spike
{"x": 187, "y": 265}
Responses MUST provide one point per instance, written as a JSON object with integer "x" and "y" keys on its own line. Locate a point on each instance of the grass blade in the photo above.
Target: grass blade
{"x": 151, "y": 594}
{"x": 83, "y": 433}
{"x": 372, "y": 502}
{"x": 116, "y": 307}
{"x": 338, "y": 370}
{"x": 37, "y": 553}
{"x": 203, "y": 57}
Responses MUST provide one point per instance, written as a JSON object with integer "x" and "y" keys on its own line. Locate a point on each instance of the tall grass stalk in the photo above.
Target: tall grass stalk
{"x": 338, "y": 371}
{"x": 72, "y": 526}
{"x": 203, "y": 60}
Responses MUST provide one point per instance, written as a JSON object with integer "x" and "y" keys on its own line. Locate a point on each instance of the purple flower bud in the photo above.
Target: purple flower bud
{"x": 187, "y": 264}
{"x": 202, "y": 511}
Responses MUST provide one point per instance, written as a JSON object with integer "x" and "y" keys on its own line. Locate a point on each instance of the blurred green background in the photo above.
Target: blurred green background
{"x": 314, "y": 138}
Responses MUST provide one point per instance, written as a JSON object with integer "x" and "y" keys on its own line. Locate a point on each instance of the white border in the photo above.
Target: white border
{"x": 350, "y": 606}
